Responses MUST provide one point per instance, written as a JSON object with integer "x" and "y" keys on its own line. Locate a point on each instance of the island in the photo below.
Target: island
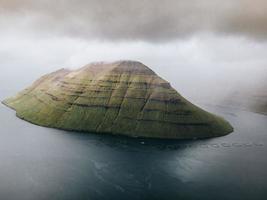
{"x": 119, "y": 98}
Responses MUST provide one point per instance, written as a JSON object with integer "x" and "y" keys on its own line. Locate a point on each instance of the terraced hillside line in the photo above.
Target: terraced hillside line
{"x": 121, "y": 102}
{"x": 104, "y": 118}
{"x": 120, "y": 98}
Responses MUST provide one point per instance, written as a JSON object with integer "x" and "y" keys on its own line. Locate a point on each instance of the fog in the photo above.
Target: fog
{"x": 207, "y": 50}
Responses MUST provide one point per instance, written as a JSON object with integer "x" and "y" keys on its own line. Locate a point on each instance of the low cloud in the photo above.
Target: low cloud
{"x": 147, "y": 20}
{"x": 216, "y": 66}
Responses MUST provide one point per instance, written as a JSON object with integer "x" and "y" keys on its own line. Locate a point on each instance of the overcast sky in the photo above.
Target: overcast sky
{"x": 213, "y": 46}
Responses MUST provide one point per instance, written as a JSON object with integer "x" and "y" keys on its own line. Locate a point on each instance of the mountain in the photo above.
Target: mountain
{"x": 120, "y": 98}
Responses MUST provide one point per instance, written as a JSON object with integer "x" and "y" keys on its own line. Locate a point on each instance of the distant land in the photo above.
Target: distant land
{"x": 259, "y": 98}
{"x": 253, "y": 99}
{"x": 119, "y": 98}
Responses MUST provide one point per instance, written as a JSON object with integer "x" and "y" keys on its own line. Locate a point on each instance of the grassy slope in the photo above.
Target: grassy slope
{"x": 124, "y": 98}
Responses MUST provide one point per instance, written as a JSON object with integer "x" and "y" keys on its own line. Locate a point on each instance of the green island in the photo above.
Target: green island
{"x": 119, "y": 98}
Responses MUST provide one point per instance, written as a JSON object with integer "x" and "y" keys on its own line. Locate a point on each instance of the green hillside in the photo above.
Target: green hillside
{"x": 124, "y": 97}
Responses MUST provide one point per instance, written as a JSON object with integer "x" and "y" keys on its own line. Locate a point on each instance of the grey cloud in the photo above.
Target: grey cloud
{"x": 148, "y": 20}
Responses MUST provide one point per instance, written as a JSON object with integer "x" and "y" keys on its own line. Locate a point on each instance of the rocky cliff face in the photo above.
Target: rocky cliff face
{"x": 125, "y": 98}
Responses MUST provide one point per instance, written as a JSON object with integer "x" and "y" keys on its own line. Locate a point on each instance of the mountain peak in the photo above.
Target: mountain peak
{"x": 133, "y": 67}
{"x": 128, "y": 62}
{"x": 120, "y": 66}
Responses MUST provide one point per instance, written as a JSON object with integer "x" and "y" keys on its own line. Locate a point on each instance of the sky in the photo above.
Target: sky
{"x": 206, "y": 49}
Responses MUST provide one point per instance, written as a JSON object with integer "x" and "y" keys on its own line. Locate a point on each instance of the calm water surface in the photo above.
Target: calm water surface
{"x": 44, "y": 163}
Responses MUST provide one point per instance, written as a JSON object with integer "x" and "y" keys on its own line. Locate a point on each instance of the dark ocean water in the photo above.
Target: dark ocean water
{"x": 43, "y": 163}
